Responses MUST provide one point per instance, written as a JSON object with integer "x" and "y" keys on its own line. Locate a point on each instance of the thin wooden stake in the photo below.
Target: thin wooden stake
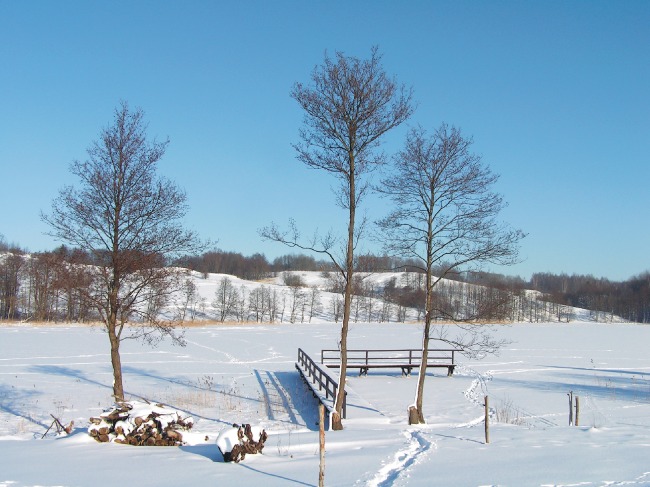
{"x": 570, "y": 408}
{"x": 487, "y": 421}
{"x": 321, "y": 437}
{"x": 577, "y": 410}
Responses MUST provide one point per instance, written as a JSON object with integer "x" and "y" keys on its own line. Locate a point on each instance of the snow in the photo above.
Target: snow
{"x": 246, "y": 374}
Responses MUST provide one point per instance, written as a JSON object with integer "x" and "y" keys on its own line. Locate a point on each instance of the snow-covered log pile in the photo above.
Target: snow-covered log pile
{"x": 136, "y": 423}
{"x": 236, "y": 442}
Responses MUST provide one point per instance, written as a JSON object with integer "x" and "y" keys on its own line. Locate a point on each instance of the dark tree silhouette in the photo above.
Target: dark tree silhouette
{"x": 128, "y": 220}
{"x": 444, "y": 217}
{"x": 349, "y": 105}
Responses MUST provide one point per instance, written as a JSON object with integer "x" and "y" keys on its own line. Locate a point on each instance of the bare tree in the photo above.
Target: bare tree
{"x": 256, "y": 303}
{"x": 297, "y": 302}
{"x": 225, "y": 298}
{"x": 350, "y": 104}
{"x": 129, "y": 221}
{"x": 445, "y": 218}
{"x": 314, "y": 302}
{"x": 188, "y": 299}
{"x": 241, "y": 304}
{"x": 11, "y": 264}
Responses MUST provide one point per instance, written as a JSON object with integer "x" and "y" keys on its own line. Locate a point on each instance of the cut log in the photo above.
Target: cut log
{"x": 173, "y": 434}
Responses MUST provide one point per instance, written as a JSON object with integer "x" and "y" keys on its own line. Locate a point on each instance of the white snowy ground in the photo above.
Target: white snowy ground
{"x": 242, "y": 374}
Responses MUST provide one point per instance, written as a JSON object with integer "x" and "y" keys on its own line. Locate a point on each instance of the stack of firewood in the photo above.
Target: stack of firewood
{"x": 135, "y": 423}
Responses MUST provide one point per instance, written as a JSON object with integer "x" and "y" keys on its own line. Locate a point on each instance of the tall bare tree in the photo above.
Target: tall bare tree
{"x": 445, "y": 217}
{"x": 349, "y": 105}
{"x": 11, "y": 265}
{"x": 128, "y": 219}
{"x": 225, "y": 298}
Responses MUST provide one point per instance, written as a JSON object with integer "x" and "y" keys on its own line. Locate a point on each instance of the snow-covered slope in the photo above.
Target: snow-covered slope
{"x": 296, "y": 296}
{"x": 306, "y": 296}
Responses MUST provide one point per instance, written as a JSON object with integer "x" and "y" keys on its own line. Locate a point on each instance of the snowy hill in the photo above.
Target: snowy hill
{"x": 309, "y": 296}
{"x": 48, "y": 288}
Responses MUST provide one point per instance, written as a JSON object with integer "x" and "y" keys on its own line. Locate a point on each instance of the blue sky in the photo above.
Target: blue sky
{"x": 556, "y": 95}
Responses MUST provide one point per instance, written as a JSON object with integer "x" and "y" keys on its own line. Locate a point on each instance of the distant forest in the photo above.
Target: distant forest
{"x": 628, "y": 299}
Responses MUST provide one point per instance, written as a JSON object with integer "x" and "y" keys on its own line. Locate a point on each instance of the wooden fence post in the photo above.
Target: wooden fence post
{"x": 487, "y": 421}
{"x": 321, "y": 442}
{"x": 577, "y": 410}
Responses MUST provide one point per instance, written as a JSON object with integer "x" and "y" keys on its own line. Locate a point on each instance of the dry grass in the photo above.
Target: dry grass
{"x": 202, "y": 323}
{"x": 98, "y": 324}
{"x": 193, "y": 399}
{"x": 4, "y": 322}
{"x": 506, "y": 412}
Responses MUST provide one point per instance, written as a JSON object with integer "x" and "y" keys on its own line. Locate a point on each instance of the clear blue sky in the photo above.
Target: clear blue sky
{"x": 556, "y": 95}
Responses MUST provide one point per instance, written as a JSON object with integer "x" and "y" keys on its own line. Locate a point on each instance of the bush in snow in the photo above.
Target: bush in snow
{"x": 234, "y": 443}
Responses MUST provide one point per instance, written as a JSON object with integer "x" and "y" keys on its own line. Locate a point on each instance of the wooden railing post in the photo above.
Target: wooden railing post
{"x": 321, "y": 444}
{"x": 487, "y": 421}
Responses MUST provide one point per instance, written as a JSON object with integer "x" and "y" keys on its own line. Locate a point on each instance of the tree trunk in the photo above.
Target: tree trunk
{"x": 321, "y": 445}
{"x": 340, "y": 393}
{"x": 116, "y": 362}
{"x": 347, "y": 303}
{"x": 112, "y": 327}
{"x": 416, "y": 414}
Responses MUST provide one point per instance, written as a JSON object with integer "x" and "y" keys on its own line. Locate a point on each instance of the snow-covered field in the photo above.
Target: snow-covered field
{"x": 246, "y": 374}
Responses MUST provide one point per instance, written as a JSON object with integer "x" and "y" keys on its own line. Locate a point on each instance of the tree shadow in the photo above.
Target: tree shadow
{"x": 281, "y": 477}
{"x": 608, "y": 385}
{"x": 67, "y": 372}
{"x": 11, "y": 400}
{"x": 599, "y": 370}
{"x": 460, "y": 438}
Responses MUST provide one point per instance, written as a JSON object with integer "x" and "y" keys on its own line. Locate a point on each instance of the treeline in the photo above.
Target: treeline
{"x": 489, "y": 298}
{"x": 256, "y": 266}
{"x": 628, "y": 299}
{"x": 46, "y": 287}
